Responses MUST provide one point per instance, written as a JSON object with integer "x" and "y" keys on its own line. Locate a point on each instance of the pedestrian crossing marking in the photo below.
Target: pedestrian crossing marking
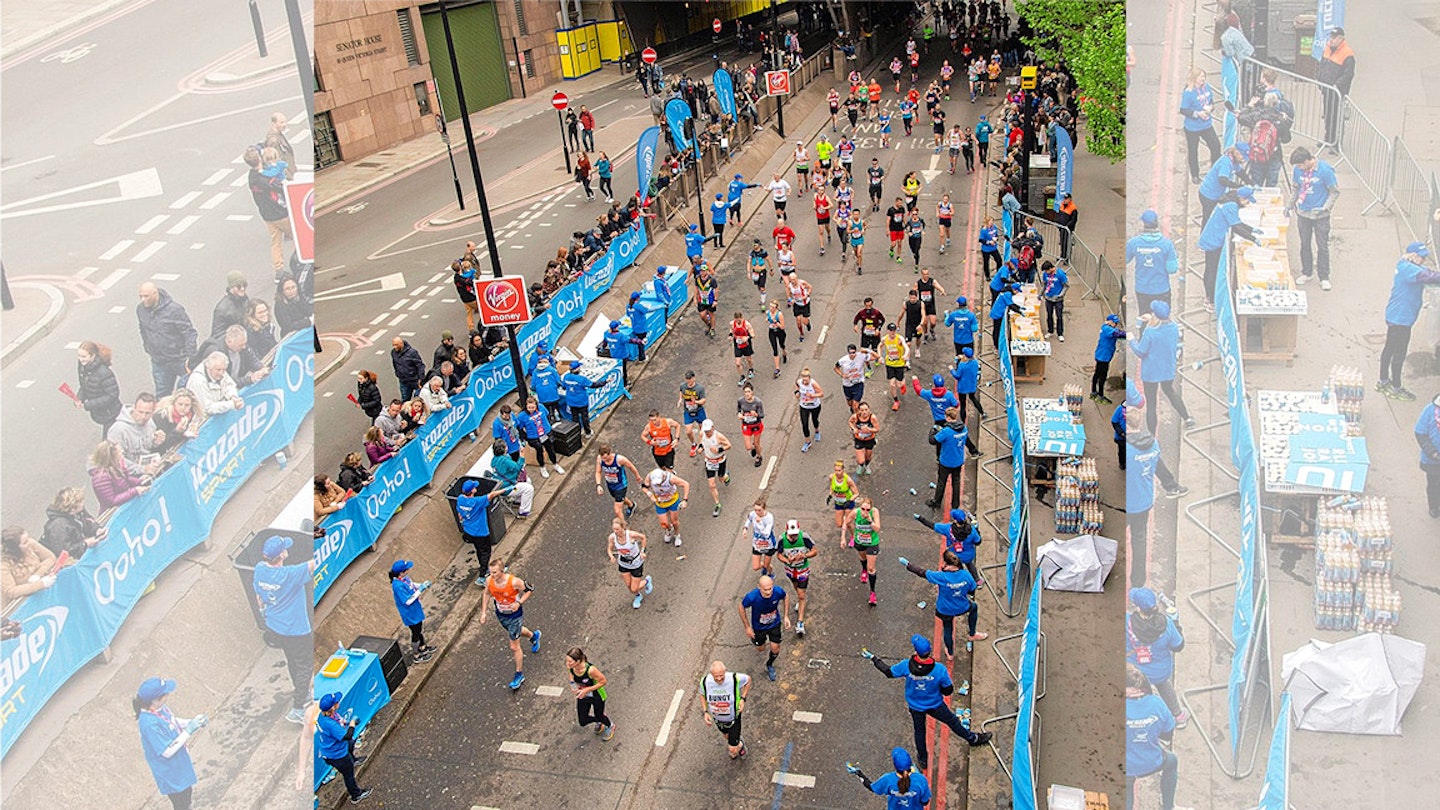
{"x": 796, "y": 780}
{"x": 806, "y": 717}
{"x": 512, "y": 747}
{"x": 549, "y": 691}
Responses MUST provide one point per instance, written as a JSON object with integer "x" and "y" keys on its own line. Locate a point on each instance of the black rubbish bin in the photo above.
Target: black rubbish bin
{"x": 496, "y": 512}
{"x": 567, "y": 439}
{"x": 249, "y": 553}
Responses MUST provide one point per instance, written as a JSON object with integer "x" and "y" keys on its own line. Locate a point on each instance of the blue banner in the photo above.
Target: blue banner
{"x": 1064, "y": 165}
{"x": 1017, "y": 550}
{"x": 1329, "y": 15}
{"x": 677, "y": 112}
{"x": 358, "y": 524}
{"x": 645, "y": 151}
{"x": 68, "y": 624}
{"x": 1275, "y": 792}
{"x": 724, "y": 92}
{"x": 1230, "y": 81}
{"x": 1007, "y": 227}
{"x": 1022, "y": 763}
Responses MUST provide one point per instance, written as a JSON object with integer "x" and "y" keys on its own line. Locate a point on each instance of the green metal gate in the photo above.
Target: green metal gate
{"x": 478, "y": 50}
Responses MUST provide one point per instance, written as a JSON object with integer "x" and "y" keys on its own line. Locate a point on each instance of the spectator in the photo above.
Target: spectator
{"x": 1337, "y": 68}
{"x": 167, "y": 334}
{"x": 269, "y": 196}
{"x": 444, "y": 351}
{"x": 434, "y": 396}
{"x": 377, "y": 447}
{"x": 230, "y": 309}
{"x": 452, "y": 383}
{"x": 587, "y": 129}
{"x": 1069, "y": 218}
{"x": 572, "y": 129}
{"x": 464, "y": 280}
{"x": 582, "y": 174}
{"x": 275, "y": 139}
{"x": 414, "y": 414}
{"x": 28, "y": 566}
{"x": 538, "y": 299}
{"x": 1151, "y": 640}
{"x": 1427, "y": 435}
{"x": 409, "y": 367}
{"x": 98, "y": 390}
{"x": 213, "y": 388}
{"x": 69, "y": 527}
{"x": 244, "y": 366}
{"x": 506, "y": 432}
{"x": 114, "y": 480}
{"x": 353, "y": 476}
{"x": 179, "y": 417}
{"x": 390, "y": 425}
{"x": 329, "y": 497}
{"x": 1316, "y": 190}
{"x": 367, "y": 388}
{"x": 510, "y": 472}
{"x": 292, "y": 310}
{"x": 136, "y": 434}
{"x": 462, "y": 363}
{"x": 260, "y": 331}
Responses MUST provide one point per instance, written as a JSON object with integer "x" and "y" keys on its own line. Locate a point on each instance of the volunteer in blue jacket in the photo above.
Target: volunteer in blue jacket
{"x": 695, "y": 242}
{"x": 1227, "y": 173}
{"x": 535, "y": 424}
{"x": 474, "y": 512}
{"x": 1316, "y": 192}
{"x": 1152, "y": 637}
{"x": 620, "y": 345}
{"x": 736, "y": 193}
{"x": 937, "y": 396}
{"x": 336, "y": 736}
{"x": 577, "y": 395}
{"x": 639, "y": 330}
{"x": 962, "y": 323}
{"x": 1003, "y": 278}
{"x": 1427, "y": 435}
{"x": 1407, "y": 293}
{"x": 967, "y": 382}
{"x": 504, "y": 429}
{"x": 1149, "y": 725}
{"x": 1117, "y": 429}
{"x": 1004, "y": 303}
{"x": 903, "y": 789}
{"x": 280, "y": 592}
{"x": 412, "y": 614}
{"x": 989, "y": 239}
{"x": 954, "y": 597}
{"x": 1155, "y": 261}
{"x": 1053, "y": 285}
{"x": 545, "y": 383}
{"x": 1216, "y": 234}
{"x": 1197, "y": 103}
{"x": 1143, "y": 465}
{"x": 961, "y": 536}
{"x": 1110, "y": 332}
{"x": 951, "y": 439}
{"x": 718, "y": 213}
{"x": 1157, "y": 347}
{"x": 927, "y": 684}
{"x": 165, "y": 738}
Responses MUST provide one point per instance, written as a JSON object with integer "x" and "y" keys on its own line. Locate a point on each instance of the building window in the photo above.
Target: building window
{"x": 520, "y": 18}
{"x": 529, "y": 63}
{"x": 422, "y": 98}
{"x": 407, "y": 35}
{"x": 327, "y": 146}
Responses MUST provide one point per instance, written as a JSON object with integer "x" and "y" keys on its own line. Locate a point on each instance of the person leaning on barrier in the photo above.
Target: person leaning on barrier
{"x": 25, "y": 566}
{"x": 69, "y": 526}
{"x": 214, "y": 389}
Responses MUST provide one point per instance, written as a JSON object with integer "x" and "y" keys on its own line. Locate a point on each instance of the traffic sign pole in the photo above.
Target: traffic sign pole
{"x": 774, "y": 34}
{"x": 560, "y": 101}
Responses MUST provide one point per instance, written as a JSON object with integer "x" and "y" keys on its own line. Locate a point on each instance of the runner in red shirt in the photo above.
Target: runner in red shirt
{"x": 784, "y": 235}
{"x": 822, "y": 217}
{"x": 743, "y": 335}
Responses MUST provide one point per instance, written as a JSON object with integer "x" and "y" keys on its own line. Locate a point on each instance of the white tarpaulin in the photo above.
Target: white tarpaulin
{"x": 1361, "y": 685}
{"x": 1079, "y": 564}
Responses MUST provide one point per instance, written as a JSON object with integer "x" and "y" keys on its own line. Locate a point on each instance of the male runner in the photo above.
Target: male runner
{"x": 724, "y": 694}
{"x": 895, "y": 224}
{"x": 851, "y": 368}
{"x": 692, "y": 405}
{"x": 660, "y": 433}
{"x": 768, "y": 615}
{"x": 611, "y": 477}
{"x": 796, "y": 551}
{"x": 868, "y": 322}
{"x": 715, "y": 445}
{"x": 509, "y": 593}
{"x": 876, "y": 173}
{"x": 707, "y": 295}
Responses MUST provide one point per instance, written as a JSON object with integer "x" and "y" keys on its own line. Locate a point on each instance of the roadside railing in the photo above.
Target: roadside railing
{"x": 1410, "y": 191}
{"x": 1368, "y": 152}
{"x": 1312, "y": 100}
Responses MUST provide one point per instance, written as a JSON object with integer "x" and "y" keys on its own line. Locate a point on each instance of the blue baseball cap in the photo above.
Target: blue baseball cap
{"x": 921, "y": 645}
{"x": 1112, "y": 318}
{"x": 1150, "y": 217}
{"x": 469, "y": 487}
{"x": 542, "y": 346}
{"x": 958, "y": 515}
{"x": 575, "y": 364}
{"x": 1142, "y": 598}
{"x": 401, "y": 566}
{"x": 152, "y": 688}
{"x": 900, "y": 758}
{"x": 614, "y": 324}
{"x": 967, "y": 352}
{"x": 1245, "y": 193}
{"x": 937, "y": 381}
{"x": 694, "y": 226}
{"x": 1160, "y": 309}
{"x": 275, "y": 545}
{"x": 1418, "y": 248}
{"x": 330, "y": 701}
{"x": 962, "y": 300}
{"x": 738, "y": 175}
{"x": 634, "y": 296}
{"x": 1015, "y": 288}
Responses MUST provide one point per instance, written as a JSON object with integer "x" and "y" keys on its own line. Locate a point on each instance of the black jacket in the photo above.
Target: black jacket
{"x": 442, "y": 353}
{"x": 353, "y": 478}
{"x": 292, "y": 316}
{"x": 371, "y": 402}
{"x": 228, "y": 310}
{"x": 67, "y": 532}
{"x": 409, "y": 365}
{"x": 166, "y": 331}
{"x": 99, "y": 392}
{"x": 242, "y": 363}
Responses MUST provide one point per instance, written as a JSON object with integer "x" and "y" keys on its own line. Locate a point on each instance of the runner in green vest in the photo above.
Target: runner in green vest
{"x": 867, "y": 541}
{"x": 796, "y": 549}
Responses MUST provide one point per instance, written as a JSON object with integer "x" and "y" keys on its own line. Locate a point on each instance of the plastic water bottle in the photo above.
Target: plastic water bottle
{"x": 281, "y": 459}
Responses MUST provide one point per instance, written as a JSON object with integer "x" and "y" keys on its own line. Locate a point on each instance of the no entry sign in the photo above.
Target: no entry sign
{"x": 560, "y": 101}
{"x": 716, "y": 25}
{"x": 300, "y": 197}
{"x": 502, "y": 301}
{"x": 648, "y": 56}
{"x": 777, "y": 82}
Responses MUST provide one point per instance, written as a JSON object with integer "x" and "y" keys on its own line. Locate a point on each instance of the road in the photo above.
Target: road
{"x": 446, "y": 752}
{"x": 130, "y": 174}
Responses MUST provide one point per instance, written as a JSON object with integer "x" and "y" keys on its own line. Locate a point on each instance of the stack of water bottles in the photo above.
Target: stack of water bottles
{"x": 1077, "y": 497}
{"x": 1074, "y": 400}
{"x": 1353, "y": 563}
{"x": 1347, "y": 387}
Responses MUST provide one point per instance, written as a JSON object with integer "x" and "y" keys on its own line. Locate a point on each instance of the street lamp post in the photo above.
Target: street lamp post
{"x": 516, "y": 364}
{"x": 306, "y": 69}
{"x": 777, "y": 64}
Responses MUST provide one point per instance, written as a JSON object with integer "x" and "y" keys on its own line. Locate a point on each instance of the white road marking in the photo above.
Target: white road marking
{"x": 216, "y": 177}
{"x": 769, "y": 469}
{"x": 133, "y": 186}
{"x": 435, "y": 279}
{"x": 435, "y": 291}
{"x": 239, "y": 217}
{"x": 795, "y": 780}
{"x": 820, "y": 341}
{"x": 110, "y": 280}
{"x": 379, "y": 318}
{"x": 185, "y": 222}
{"x": 86, "y": 272}
{"x": 569, "y": 205}
{"x": 512, "y": 747}
{"x": 165, "y": 277}
{"x": 546, "y": 224}
{"x": 24, "y": 383}
{"x": 116, "y": 310}
{"x": 448, "y": 300}
{"x": 806, "y": 717}
{"x": 241, "y": 180}
{"x": 120, "y": 247}
{"x": 394, "y": 281}
{"x": 147, "y": 251}
{"x": 533, "y": 207}
{"x": 362, "y": 330}
{"x": 329, "y": 394}
{"x": 152, "y": 223}
{"x": 185, "y": 199}
{"x": 215, "y": 200}
{"x": 420, "y": 302}
{"x": 398, "y": 319}
{"x": 26, "y": 163}
{"x": 664, "y": 735}
{"x": 197, "y": 246}
{"x": 549, "y": 691}
{"x": 72, "y": 345}
{"x": 407, "y": 334}
{"x": 517, "y": 247}
{"x": 420, "y": 290}
{"x": 375, "y": 338}
{"x": 398, "y": 304}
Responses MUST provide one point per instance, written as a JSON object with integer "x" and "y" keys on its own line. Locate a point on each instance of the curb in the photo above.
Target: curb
{"x": 99, "y": 8}
{"x": 337, "y": 362}
{"x": 227, "y": 79}
{"x": 482, "y": 134}
{"x": 47, "y": 322}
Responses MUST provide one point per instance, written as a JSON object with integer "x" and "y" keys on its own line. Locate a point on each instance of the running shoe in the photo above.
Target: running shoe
{"x": 669, "y": 538}
{"x": 743, "y": 749}
{"x": 635, "y": 603}
{"x": 1400, "y": 393}
{"x": 678, "y": 541}
{"x": 1178, "y": 492}
{"x": 296, "y": 716}
{"x": 864, "y": 577}
{"x": 805, "y": 448}
{"x": 785, "y": 358}
{"x": 361, "y": 796}
{"x": 516, "y": 681}
{"x": 693, "y": 449}
{"x": 1384, "y": 387}
{"x": 535, "y": 643}
{"x": 757, "y": 461}
{"x": 599, "y": 729}
{"x": 544, "y": 473}
{"x": 1182, "y": 719}
{"x": 1062, "y": 338}
{"x": 716, "y": 511}
{"x": 872, "y": 600}
{"x": 895, "y": 406}
{"x": 799, "y": 628}
{"x": 423, "y": 658}
{"x": 649, "y": 584}
{"x": 629, "y": 509}
{"x": 559, "y": 470}
{"x": 980, "y": 739}
{"x": 777, "y": 374}
{"x": 770, "y": 671}
{"x": 609, "y": 733}
{"x": 726, "y": 479}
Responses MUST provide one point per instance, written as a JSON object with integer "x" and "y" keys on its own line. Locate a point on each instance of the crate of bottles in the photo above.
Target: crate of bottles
{"x": 1377, "y": 605}
{"x": 1077, "y": 497}
{"x": 1074, "y": 399}
{"x": 1347, "y": 387}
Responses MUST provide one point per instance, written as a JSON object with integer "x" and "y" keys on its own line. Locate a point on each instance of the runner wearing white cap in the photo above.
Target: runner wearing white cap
{"x": 796, "y": 549}
{"x": 670, "y": 493}
{"x": 714, "y": 444}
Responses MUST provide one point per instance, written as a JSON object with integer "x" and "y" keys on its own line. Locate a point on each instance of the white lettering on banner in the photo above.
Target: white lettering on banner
{"x": 567, "y": 306}
{"x": 1307, "y": 475}
{"x": 606, "y": 392}
{"x": 438, "y": 440}
{"x": 34, "y": 649}
{"x": 529, "y": 343}
{"x": 259, "y": 415}
{"x": 481, "y": 386}
{"x": 394, "y": 478}
{"x": 335, "y": 536}
{"x": 298, "y": 370}
{"x": 108, "y": 573}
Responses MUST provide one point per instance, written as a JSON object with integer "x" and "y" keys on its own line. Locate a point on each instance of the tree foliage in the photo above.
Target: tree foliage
{"x": 1089, "y": 35}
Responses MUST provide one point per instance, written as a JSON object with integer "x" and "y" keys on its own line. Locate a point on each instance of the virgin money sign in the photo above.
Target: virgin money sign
{"x": 503, "y": 302}
{"x": 300, "y": 196}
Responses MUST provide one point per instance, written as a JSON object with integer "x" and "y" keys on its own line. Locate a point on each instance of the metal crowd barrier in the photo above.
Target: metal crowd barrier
{"x": 1312, "y": 100}
{"x": 1368, "y": 152}
{"x": 1410, "y": 191}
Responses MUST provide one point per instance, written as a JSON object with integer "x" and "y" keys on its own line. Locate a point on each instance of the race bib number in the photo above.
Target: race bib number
{"x": 769, "y": 618}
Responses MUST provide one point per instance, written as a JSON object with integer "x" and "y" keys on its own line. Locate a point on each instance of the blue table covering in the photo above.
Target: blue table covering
{"x": 365, "y": 693}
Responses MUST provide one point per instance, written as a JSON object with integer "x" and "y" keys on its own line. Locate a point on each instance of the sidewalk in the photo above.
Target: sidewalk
{"x": 38, "y": 307}
{"x": 30, "y": 23}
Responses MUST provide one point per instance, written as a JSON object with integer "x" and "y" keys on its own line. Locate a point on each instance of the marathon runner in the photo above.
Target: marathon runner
{"x": 867, "y": 541}
{"x": 759, "y": 267}
{"x": 796, "y": 551}
{"x": 824, "y": 151}
{"x": 802, "y": 166}
{"x": 947, "y": 72}
{"x": 851, "y": 368}
{"x": 842, "y": 494}
{"x": 797, "y": 294}
{"x": 852, "y": 110}
{"x": 611, "y": 478}
{"x": 751, "y": 413}
{"x": 660, "y": 432}
{"x": 911, "y": 188}
{"x": 775, "y": 330}
{"x": 873, "y": 91}
{"x": 907, "y": 116}
{"x": 760, "y": 523}
{"x": 742, "y": 334}
{"x": 847, "y": 155}
{"x": 876, "y": 173}
{"x": 914, "y": 322}
{"x": 626, "y": 549}
{"x": 785, "y": 261}
{"x": 706, "y": 296}
{"x": 857, "y": 242}
{"x": 833, "y": 99}
{"x": 714, "y": 446}
{"x": 953, "y": 139}
{"x": 868, "y": 322}
{"x": 896, "y": 68}
{"x": 896, "y": 355}
{"x": 509, "y": 593}
{"x": 884, "y": 120}
{"x": 724, "y": 693}
{"x": 926, "y": 288}
{"x": 769, "y": 618}
{"x": 779, "y": 191}
{"x": 692, "y": 405}
{"x": 670, "y": 494}
{"x": 588, "y": 685}
{"x": 895, "y": 224}
{"x": 944, "y": 215}
{"x": 955, "y": 589}
{"x": 822, "y": 217}
{"x": 866, "y": 429}
{"x": 915, "y": 233}
{"x": 782, "y": 233}
{"x": 842, "y": 227}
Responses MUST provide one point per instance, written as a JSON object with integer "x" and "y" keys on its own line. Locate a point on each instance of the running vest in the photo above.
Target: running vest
{"x": 809, "y": 397}
{"x": 740, "y": 333}
{"x": 892, "y": 347}
{"x": 796, "y": 293}
{"x": 665, "y": 492}
{"x": 865, "y": 534}
{"x": 789, "y": 543}
{"x": 912, "y": 187}
{"x": 926, "y": 290}
{"x": 691, "y": 398}
{"x": 705, "y": 290}
{"x": 627, "y": 550}
{"x": 822, "y": 207}
{"x": 721, "y": 699}
{"x": 944, "y": 210}
{"x": 762, "y": 531}
{"x": 661, "y": 439}
{"x": 844, "y": 489}
{"x": 506, "y": 595}
{"x": 613, "y": 474}
{"x": 714, "y": 455}
{"x": 584, "y": 679}
{"x": 865, "y": 428}
{"x": 757, "y": 265}
{"x": 857, "y": 228}
{"x": 801, "y": 157}
{"x": 785, "y": 258}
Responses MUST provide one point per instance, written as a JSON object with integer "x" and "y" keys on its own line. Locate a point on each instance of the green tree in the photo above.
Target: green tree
{"x": 1089, "y": 35}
